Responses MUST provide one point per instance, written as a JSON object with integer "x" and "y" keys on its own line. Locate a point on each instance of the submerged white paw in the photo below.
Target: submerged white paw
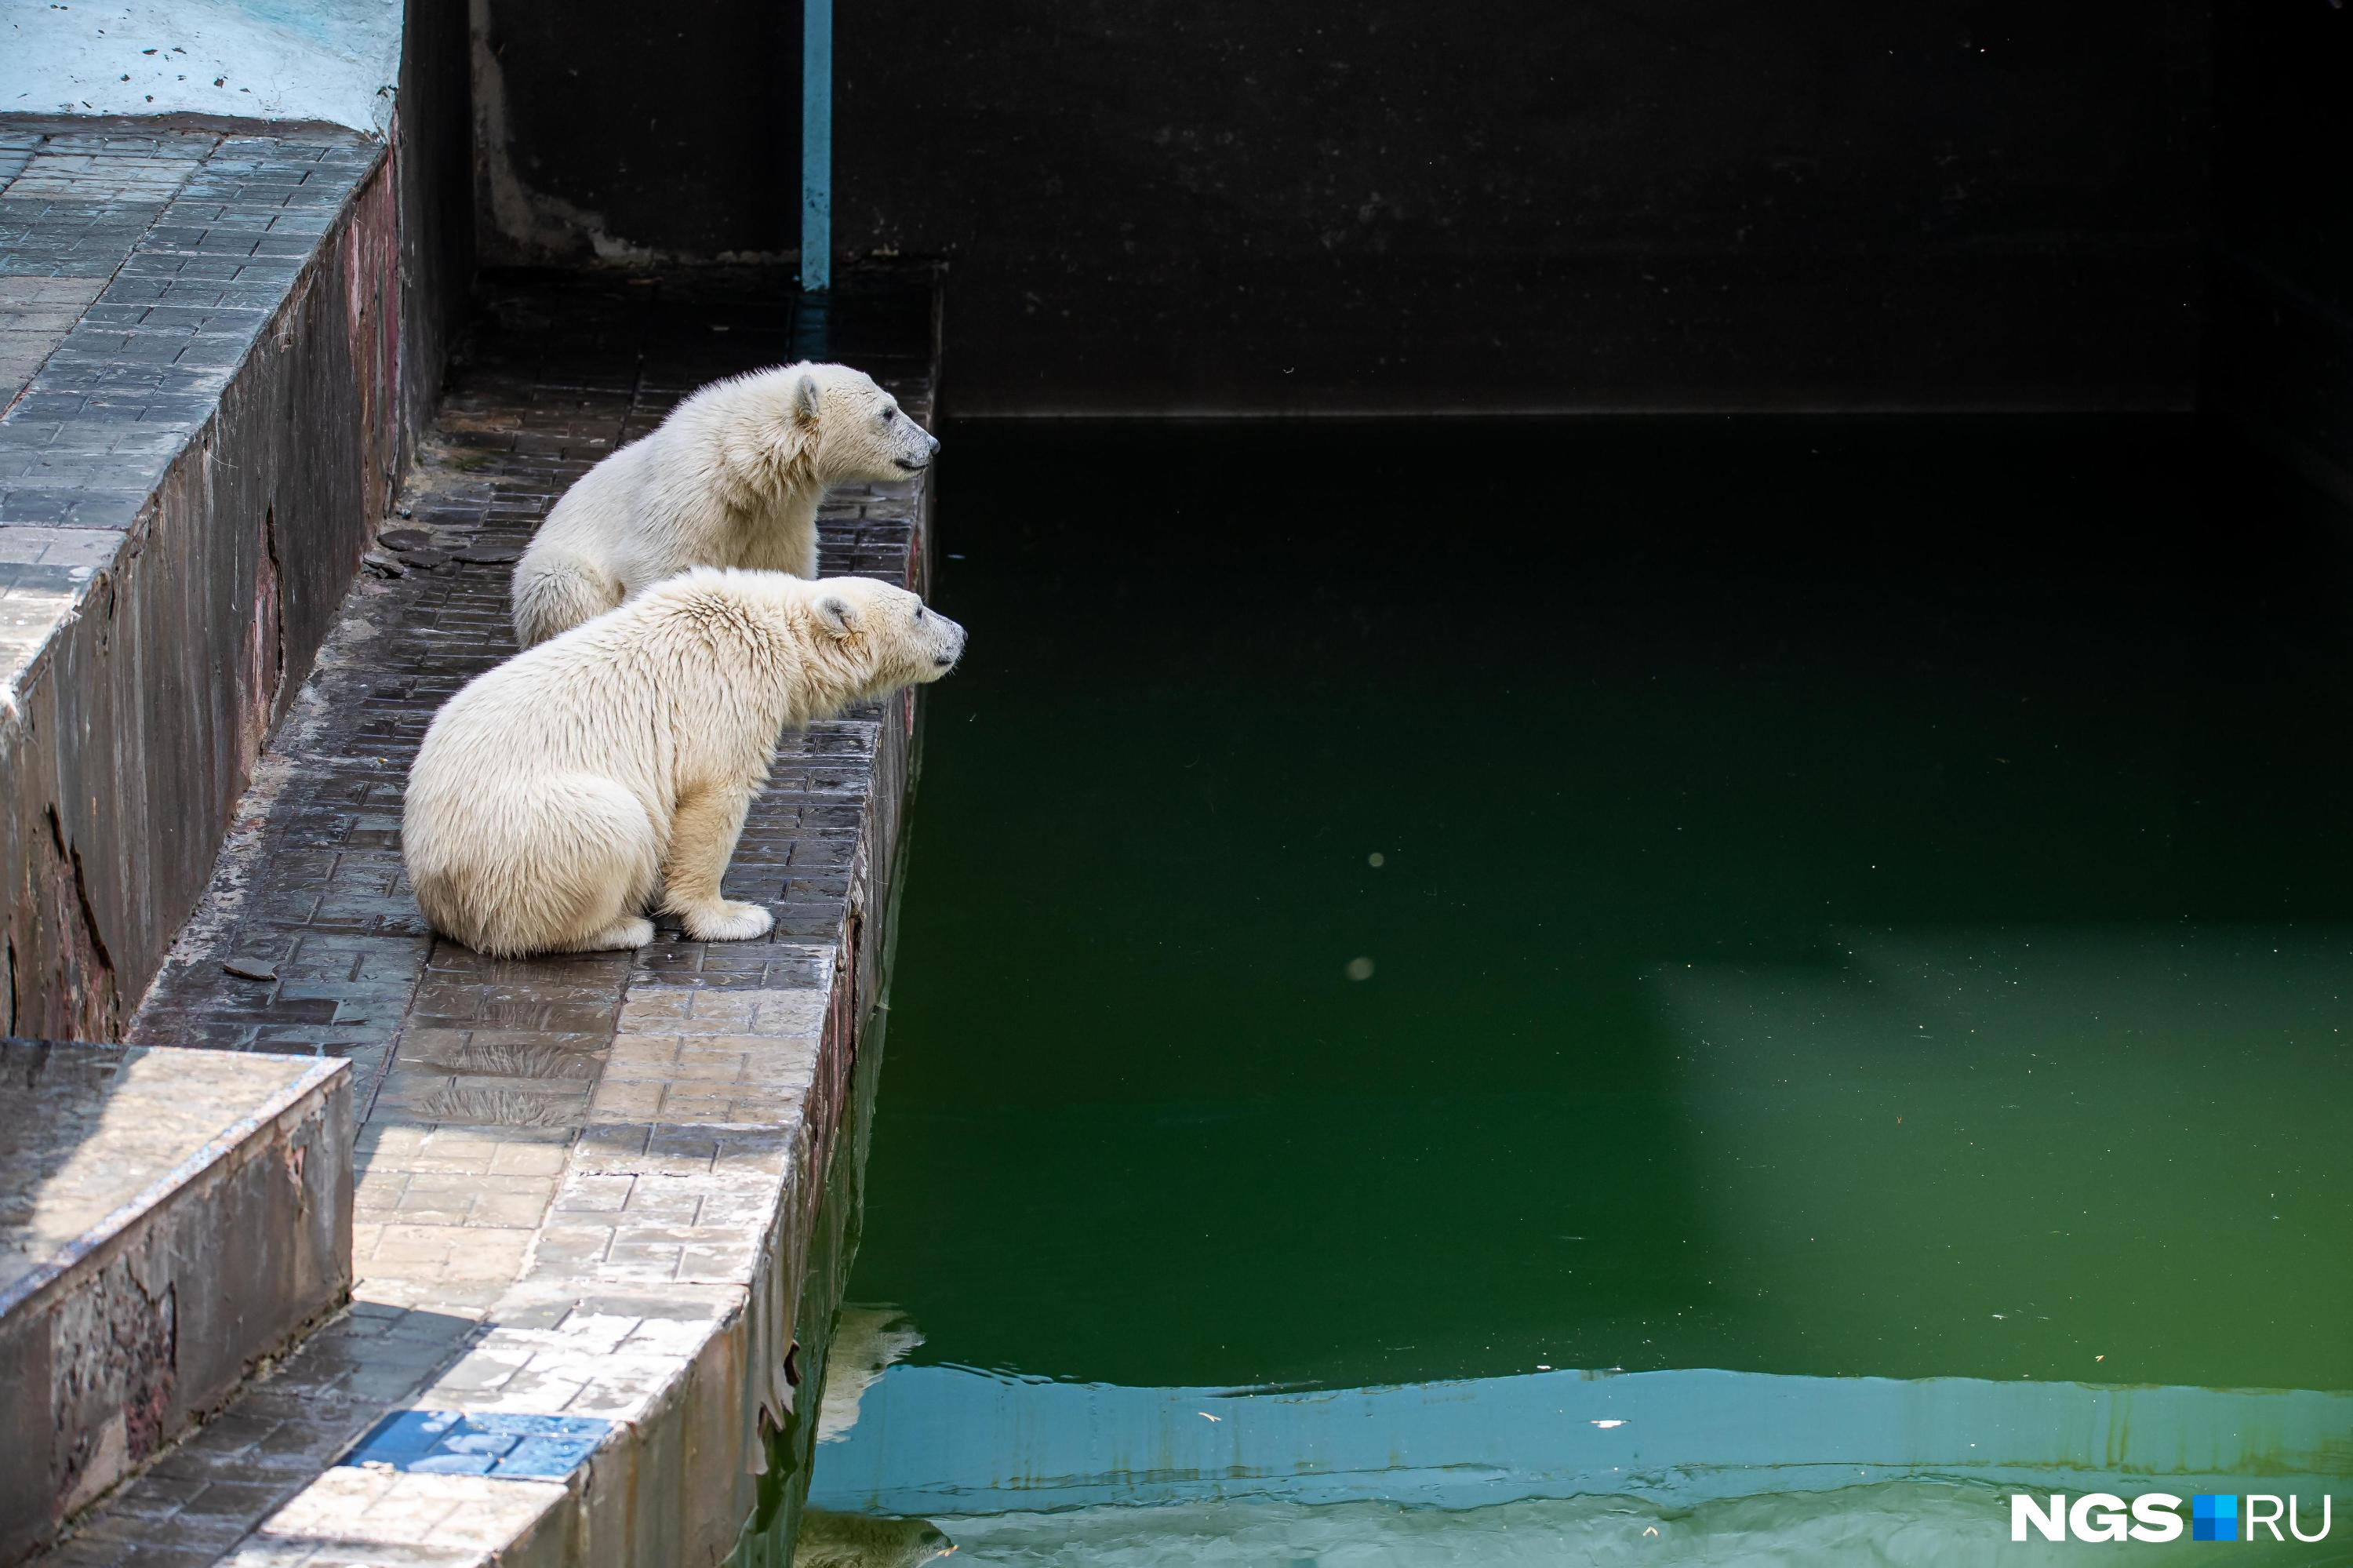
{"x": 727, "y": 922}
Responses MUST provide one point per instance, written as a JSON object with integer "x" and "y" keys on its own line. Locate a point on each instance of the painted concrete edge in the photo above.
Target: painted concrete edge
{"x": 944, "y": 1440}
{"x": 332, "y": 60}
{"x": 317, "y": 1083}
{"x": 160, "y": 1325}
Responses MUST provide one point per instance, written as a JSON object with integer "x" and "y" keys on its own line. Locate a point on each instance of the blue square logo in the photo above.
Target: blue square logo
{"x": 2214, "y": 1516}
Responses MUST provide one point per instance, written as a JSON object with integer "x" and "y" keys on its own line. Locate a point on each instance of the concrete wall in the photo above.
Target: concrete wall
{"x": 2279, "y": 354}
{"x": 141, "y": 721}
{"x": 1508, "y": 204}
{"x": 228, "y": 1242}
{"x": 618, "y": 132}
{"x": 436, "y": 135}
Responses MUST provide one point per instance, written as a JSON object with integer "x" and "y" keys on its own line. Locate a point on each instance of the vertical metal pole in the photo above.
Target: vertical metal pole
{"x": 817, "y": 146}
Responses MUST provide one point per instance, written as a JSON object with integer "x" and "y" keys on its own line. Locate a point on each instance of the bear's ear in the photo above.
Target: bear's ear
{"x": 836, "y": 615}
{"x": 804, "y": 399}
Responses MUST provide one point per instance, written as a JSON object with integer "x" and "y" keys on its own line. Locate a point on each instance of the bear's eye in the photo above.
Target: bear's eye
{"x": 919, "y": 612}
{"x": 888, "y": 415}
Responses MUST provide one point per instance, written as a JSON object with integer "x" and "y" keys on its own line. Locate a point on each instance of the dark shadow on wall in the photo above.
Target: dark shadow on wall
{"x": 636, "y": 133}
{"x": 1234, "y": 207}
{"x": 435, "y": 152}
{"x": 1518, "y": 206}
{"x": 2280, "y": 350}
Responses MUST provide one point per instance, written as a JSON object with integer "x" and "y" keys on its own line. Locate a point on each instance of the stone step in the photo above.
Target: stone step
{"x": 201, "y": 395}
{"x": 168, "y": 1219}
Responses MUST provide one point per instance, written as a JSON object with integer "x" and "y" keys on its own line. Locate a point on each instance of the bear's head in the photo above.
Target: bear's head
{"x": 843, "y": 426}
{"x": 872, "y": 637}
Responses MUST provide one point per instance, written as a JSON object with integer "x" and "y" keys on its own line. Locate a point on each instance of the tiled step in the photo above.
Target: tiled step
{"x": 200, "y": 391}
{"x": 168, "y": 1218}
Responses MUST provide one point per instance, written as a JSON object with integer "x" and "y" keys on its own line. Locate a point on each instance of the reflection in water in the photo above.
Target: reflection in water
{"x": 947, "y": 1440}
{"x": 1982, "y": 1150}
{"x": 866, "y": 1341}
{"x": 850, "y": 1541}
{"x": 1900, "y": 1524}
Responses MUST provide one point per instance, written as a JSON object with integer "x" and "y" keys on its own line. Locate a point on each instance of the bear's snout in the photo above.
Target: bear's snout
{"x": 917, "y": 464}
{"x": 945, "y": 658}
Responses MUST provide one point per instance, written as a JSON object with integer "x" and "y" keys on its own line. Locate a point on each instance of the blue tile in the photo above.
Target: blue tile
{"x": 403, "y": 1436}
{"x": 451, "y": 1442}
{"x": 547, "y": 1425}
{"x": 547, "y": 1458}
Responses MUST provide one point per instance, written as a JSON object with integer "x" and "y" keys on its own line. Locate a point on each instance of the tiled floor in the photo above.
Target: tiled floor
{"x": 137, "y": 267}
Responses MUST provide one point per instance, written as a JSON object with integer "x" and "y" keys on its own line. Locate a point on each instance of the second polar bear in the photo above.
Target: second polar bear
{"x": 732, "y": 478}
{"x": 555, "y": 794}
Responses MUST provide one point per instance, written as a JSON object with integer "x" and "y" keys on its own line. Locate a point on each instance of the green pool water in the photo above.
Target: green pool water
{"x": 1439, "y": 907}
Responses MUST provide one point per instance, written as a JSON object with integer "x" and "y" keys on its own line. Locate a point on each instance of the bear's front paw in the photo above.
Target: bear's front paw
{"x": 726, "y": 921}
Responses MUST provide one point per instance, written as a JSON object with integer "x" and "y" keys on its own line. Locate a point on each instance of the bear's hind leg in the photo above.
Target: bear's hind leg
{"x": 556, "y": 592}
{"x": 596, "y": 860}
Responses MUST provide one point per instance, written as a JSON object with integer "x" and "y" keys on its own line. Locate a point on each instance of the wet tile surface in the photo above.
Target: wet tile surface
{"x": 138, "y": 267}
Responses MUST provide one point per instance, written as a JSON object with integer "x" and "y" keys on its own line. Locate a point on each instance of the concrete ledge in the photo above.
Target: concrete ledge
{"x": 167, "y": 1219}
{"x": 187, "y": 480}
{"x": 596, "y": 1260}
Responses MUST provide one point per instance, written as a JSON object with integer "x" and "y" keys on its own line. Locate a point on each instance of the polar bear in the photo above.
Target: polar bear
{"x": 554, "y": 794}
{"x": 732, "y": 478}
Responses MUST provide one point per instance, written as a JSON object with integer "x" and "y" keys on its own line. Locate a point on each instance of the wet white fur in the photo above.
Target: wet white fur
{"x": 732, "y": 478}
{"x": 554, "y": 795}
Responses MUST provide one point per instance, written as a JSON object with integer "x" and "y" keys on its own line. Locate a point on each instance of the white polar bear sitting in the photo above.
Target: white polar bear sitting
{"x": 554, "y": 794}
{"x": 732, "y": 478}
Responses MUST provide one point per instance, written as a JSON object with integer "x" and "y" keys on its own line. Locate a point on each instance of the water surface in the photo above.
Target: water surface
{"x": 1439, "y": 907}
